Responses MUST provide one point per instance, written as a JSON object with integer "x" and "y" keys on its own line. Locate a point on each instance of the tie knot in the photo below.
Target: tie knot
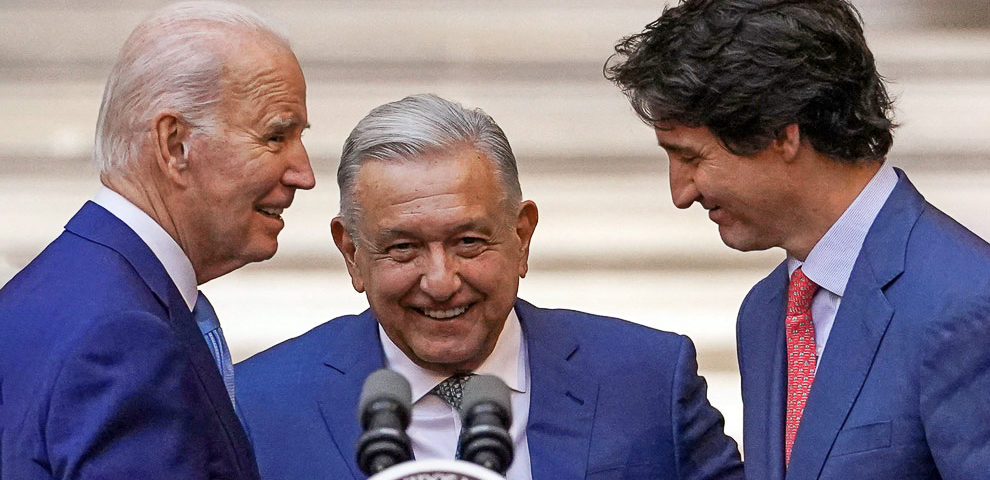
{"x": 799, "y": 293}
{"x": 451, "y": 390}
{"x": 205, "y": 316}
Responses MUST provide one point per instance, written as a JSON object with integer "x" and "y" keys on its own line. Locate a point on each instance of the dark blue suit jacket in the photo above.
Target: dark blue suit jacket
{"x": 901, "y": 389}
{"x": 103, "y": 371}
{"x": 609, "y": 400}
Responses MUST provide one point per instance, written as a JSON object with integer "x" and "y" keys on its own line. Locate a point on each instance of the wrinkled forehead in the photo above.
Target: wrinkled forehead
{"x": 252, "y": 60}
{"x": 264, "y": 75}
{"x": 419, "y": 185}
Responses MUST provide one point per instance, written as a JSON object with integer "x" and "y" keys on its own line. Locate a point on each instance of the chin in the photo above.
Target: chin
{"x": 263, "y": 250}
{"x": 742, "y": 243}
{"x": 450, "y": 359}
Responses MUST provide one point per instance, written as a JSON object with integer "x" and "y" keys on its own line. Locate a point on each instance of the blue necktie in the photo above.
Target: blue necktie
{"x": 209, "y": 324}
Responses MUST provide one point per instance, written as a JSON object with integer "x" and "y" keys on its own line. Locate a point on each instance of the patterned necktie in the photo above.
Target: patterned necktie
{"x": 209, "y": 325}
{"x": 801, "y": 358}
{"x": 451, "y": 390}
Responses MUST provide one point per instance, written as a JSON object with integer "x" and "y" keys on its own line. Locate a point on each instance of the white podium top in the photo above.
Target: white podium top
{"x": 437, "y": 469}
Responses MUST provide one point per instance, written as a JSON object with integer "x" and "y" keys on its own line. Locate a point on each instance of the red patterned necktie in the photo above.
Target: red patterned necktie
{"x": 801, "y": 357}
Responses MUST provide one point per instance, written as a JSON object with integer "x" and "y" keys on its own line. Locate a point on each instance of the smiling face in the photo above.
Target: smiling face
{"x": 751, "y": 198}
{"x": 245, "y": 173}
{"x": 439, "y": 257}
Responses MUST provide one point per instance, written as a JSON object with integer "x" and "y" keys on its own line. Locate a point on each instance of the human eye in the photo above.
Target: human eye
{"x": 681, "y": 156}
{"x": 282, "y": 131}
{"x": 401, "y": 251}
{"x": 469, "y": 246}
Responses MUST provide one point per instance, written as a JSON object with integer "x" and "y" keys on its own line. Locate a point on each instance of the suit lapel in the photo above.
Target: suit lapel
{"x": 206, "y": 368}
{"x": 345, "y": 373}
{"x": 562, "y": 397}
{"x": 859, "y": 327}
{"x": 762, "y": 339}
{"x": 96, "y": 224}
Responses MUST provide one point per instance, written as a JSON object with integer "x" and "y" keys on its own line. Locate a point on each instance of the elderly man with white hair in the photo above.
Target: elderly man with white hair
{"x": 112, "y": 364}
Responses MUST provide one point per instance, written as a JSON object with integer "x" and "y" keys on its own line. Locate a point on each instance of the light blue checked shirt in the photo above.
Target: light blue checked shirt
{"x": 830, "y": 262}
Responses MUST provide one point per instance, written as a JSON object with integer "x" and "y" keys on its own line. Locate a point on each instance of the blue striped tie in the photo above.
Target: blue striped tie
{"x": 209, "y": 324}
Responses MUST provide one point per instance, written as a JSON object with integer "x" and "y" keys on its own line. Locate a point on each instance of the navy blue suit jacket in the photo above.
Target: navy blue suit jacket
{"x": 901, "y": 389}
{"x": 609, "y": 400}
{"x": 103, "y": 371}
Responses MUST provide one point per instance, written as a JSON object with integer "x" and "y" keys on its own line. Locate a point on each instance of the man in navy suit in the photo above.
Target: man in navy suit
{"x": 433, "y": 229}
{"x": 106, "y": 372}
{"x": 864, "y": 354}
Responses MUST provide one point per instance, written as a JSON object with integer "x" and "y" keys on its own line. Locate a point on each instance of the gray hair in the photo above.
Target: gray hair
{"x": 173, "y": 60}
{"x": 421, "y": 125}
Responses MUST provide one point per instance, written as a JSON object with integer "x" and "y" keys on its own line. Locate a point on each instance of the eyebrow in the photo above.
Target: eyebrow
{"x": 676, "y": 148}
{"x": 284, "y": 123}
{"x": 390, "y": 234}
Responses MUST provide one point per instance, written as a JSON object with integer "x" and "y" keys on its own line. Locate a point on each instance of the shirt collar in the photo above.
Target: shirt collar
{"x": 507, "y": 361}
{"x": 175, "y": 261}
{"x": 830, "y": 262}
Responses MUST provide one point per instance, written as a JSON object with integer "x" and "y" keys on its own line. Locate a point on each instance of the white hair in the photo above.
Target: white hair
{"x": 173, "y": 60}
{"x": 414, "y": 127}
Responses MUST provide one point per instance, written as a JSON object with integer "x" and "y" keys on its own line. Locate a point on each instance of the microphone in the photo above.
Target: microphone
{"x": 487, "y": 414}
{"x": 383, "y": 411}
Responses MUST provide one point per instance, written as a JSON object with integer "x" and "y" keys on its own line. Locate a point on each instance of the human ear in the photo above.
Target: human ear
{"x": 788, "y": 142}
{"x": 526, "y": 222}
{"x": 171, "y": 141}
{"x": 342, "y": 238}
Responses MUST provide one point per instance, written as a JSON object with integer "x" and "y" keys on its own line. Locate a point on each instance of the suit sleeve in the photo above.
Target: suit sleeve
{"x": 125, "y": 404}
{"x": 955, "y": 379}
{"x": 703, "y": 449}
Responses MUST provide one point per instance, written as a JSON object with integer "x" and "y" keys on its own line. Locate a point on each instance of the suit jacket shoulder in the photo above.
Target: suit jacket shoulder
{"x": 104, "y": 372}
{"x": 304, "y": 392}
{"x": 627, "y": 395}
{"x": 291, "y": 363}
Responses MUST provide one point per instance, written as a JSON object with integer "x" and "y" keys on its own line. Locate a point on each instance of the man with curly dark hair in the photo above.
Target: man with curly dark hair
{"x": 864, "y": 354}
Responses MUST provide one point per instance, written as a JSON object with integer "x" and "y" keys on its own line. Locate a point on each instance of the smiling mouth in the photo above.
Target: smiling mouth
{"x": 443, "y": 314}
{"x": 275, "y": 213}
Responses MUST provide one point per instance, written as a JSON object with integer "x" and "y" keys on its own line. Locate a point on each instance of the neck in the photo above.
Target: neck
{"x": 151, "y": 195}
{"x": 827, "y": 189}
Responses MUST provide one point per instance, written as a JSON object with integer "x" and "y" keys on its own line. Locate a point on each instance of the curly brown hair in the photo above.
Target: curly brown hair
{"x": 745, "y": 69}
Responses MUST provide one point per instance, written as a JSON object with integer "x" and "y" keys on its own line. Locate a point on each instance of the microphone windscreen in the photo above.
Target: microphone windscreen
{"x": 486, "y": 389}
{"x": 385, "y": 384}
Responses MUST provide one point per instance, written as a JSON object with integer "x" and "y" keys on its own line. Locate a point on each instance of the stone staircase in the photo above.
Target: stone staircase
{"x": 609, "y": 241}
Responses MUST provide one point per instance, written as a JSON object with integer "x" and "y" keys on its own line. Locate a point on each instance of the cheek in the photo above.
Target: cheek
{"x": 389, "y": 282}
{"x": 250, "y": 171}
{"x": 724, "y": 188}
{"x": 495, "y": 275}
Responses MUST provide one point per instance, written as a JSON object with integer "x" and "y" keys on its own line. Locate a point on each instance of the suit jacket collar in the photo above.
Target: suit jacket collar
{"x": 860, "y": 325}
{"x": 562, "y": 398}
{"x": 96, "y": 224}
{"x": 354, "y": 353}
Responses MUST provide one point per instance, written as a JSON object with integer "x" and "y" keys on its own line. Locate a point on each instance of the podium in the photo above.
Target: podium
{"x": 436, "y": 469}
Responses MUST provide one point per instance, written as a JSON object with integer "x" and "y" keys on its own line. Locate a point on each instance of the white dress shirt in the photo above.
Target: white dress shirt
{"x": 830, "y": 262}
{"x": 175, "y": 261}
{"x": 435, "y": 425}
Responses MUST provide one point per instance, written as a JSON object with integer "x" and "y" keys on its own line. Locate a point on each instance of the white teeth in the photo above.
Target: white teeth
{"x": 272, "y": 212}
{"x": 443, "y": 314}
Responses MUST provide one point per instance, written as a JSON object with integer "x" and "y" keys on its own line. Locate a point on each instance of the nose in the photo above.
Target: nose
{"x": 682, "y": 188}
{"x": 440, "y": 279}
{"x": 300, "y": 172}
